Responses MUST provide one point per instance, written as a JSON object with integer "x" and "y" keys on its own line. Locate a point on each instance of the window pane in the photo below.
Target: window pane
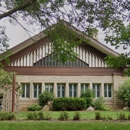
{"x": 58, "y": 91}
{"x": 63, "y": 90}
{"x": 27, "y": 90}
{"x": 75, "y": 92}
{"x": 105, "y": 90}
{"x": 51, "y": 88}
{"x": 46, "y": 88}
{"x": 98, "y": 91}
{"x": 35, "y": 91}
{"x": 109, "y": 91}
{"x": 70, "y": 90}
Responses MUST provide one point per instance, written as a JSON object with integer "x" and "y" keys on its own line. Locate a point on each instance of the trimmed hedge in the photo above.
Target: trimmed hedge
{"x": 34, "y": 107}
{"x": 69, "y": 104}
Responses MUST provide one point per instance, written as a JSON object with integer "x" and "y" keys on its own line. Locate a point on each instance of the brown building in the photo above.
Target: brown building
{"x": 37, "y": 71}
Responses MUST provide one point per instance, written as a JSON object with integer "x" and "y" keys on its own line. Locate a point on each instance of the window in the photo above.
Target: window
{"x": 25, "y": 90}
{"x": 84, "y": 87}
{"x": 107, "y": 90}
{"x": 37, "y": 88}
{"x": 72, "y": 90}
{"x": 49, "y": 87}
{"x": 60, "y": 90}
{"x": 96, "y": 89}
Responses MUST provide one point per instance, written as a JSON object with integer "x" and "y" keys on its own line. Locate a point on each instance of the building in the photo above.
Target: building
{"x": 36, "y": 70}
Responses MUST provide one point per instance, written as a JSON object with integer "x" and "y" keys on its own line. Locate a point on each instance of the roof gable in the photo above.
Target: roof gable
{"x": 94, "y": 48}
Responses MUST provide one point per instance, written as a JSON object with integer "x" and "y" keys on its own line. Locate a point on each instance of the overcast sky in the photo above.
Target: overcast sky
{"x": 17, "y": 34}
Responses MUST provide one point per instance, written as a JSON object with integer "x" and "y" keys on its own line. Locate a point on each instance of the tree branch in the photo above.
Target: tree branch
{"x": 21, "y": 7}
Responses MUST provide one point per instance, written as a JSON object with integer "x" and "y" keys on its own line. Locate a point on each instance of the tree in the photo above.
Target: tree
{"x": 5, "y": 78}
{"x": 123, "y": 92}
{"x": 85, "y": 15}
{"x": 88, "y": 95}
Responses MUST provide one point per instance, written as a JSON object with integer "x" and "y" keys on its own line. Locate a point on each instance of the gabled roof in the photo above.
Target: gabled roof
{"x": 93, "y": 42}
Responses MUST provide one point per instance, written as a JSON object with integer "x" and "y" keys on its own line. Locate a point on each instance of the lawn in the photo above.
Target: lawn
{"x": 84, "y": 114}
{"x": 44, "y": 125}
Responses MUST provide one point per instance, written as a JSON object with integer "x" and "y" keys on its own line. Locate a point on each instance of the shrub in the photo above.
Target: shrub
{"x": 35, "y": 107}
{"x": 109, "y": 117}
{"x": 76, "y": 116}
{"x": 69, "y": 104}
{"x": 128, "y": 116}
{"x": 121, "y": 116}
{"x": 123, "y": 92}
{"x": 88, "y": 96}
{"x": 7, "y": 116}
{"x": 99, "y": 104}
{"x": 63, "y": 115}
{"x": 30, "y": 116}
{"x": 45, "y": 97}
{"x": 40, "y": 115}
{"x": 98, "y": 116}
{"x": 47, "y": 116}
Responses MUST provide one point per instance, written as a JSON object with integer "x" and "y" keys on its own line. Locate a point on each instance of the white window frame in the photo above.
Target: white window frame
{"x": 107, "y": 90}
{"x": 49, "y": 87}
{"x": 61, "y": 89}
{"x": 84, "y": 87}
{"x": 25, "y": 92}
{"x": 72, "y": 91}
{"x": 37, "y": 89}
{"x": 96, "y": 89}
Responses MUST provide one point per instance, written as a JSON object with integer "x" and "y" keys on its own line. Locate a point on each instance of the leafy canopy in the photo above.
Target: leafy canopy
{"x": 86, "y": 15}
{"x": 123, "y": 92}
{"x": 5, "y": 78}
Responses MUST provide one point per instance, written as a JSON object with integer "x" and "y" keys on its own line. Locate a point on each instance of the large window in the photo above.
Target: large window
{"x": 49, "y": 87}
{"x": 25, "y": 90}
{"x": 108, "y": 90}
{"x": 96, "y": 89}
{"x": 84, "y": 87}
{"x": 37, "y": 89}
{"x": 60, "y": 90}
{"x": 72, "y": 90}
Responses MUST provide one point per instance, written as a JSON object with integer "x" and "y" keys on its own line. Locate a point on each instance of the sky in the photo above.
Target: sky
{"x": 17, "y": 34}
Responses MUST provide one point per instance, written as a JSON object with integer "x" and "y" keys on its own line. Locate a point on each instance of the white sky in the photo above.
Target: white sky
{"x": 17, "y": 34}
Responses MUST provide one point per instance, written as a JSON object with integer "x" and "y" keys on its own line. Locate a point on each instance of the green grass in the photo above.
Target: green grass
{"x": 63, "y": 126}
{"x": 84, "y": 114}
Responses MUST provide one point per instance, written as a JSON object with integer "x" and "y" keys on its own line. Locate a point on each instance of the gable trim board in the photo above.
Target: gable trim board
{"x": 96, "y": 76}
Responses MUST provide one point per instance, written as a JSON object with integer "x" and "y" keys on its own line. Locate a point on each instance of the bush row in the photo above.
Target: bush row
{"x": 34, "y": 107}
{"x": 120, "y": 116}
{"x": 38, "y": 116}
{"x": 69, "y": 104}
{"x": 7, "y": 116}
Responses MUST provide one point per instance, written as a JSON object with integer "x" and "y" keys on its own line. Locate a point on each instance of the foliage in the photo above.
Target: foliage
{"x": 47, "y": 116}
{"x": 98, "y": 116}
{"x": 45, "y": 97}
{"x": 63, "y": 116}
{"x": 76, "y": 116}
{"x": 121, "y": 61}
{"x": 35, "y": 116}
{"x": 5, "y": 78}
{"x": 123, "y": 92}
{"x": 88, "y": 95}
{"x": 69, "y": 104}
{"x": 99, "y": 104}
{"x": 121, "y": 116}
{"x": 34, "y": 107}
{"x": 85, "y": 15}
{"x": 7, "y": 116}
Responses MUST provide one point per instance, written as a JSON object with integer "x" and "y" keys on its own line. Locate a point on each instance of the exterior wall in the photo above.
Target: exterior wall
{"x": 111, "y": 102}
